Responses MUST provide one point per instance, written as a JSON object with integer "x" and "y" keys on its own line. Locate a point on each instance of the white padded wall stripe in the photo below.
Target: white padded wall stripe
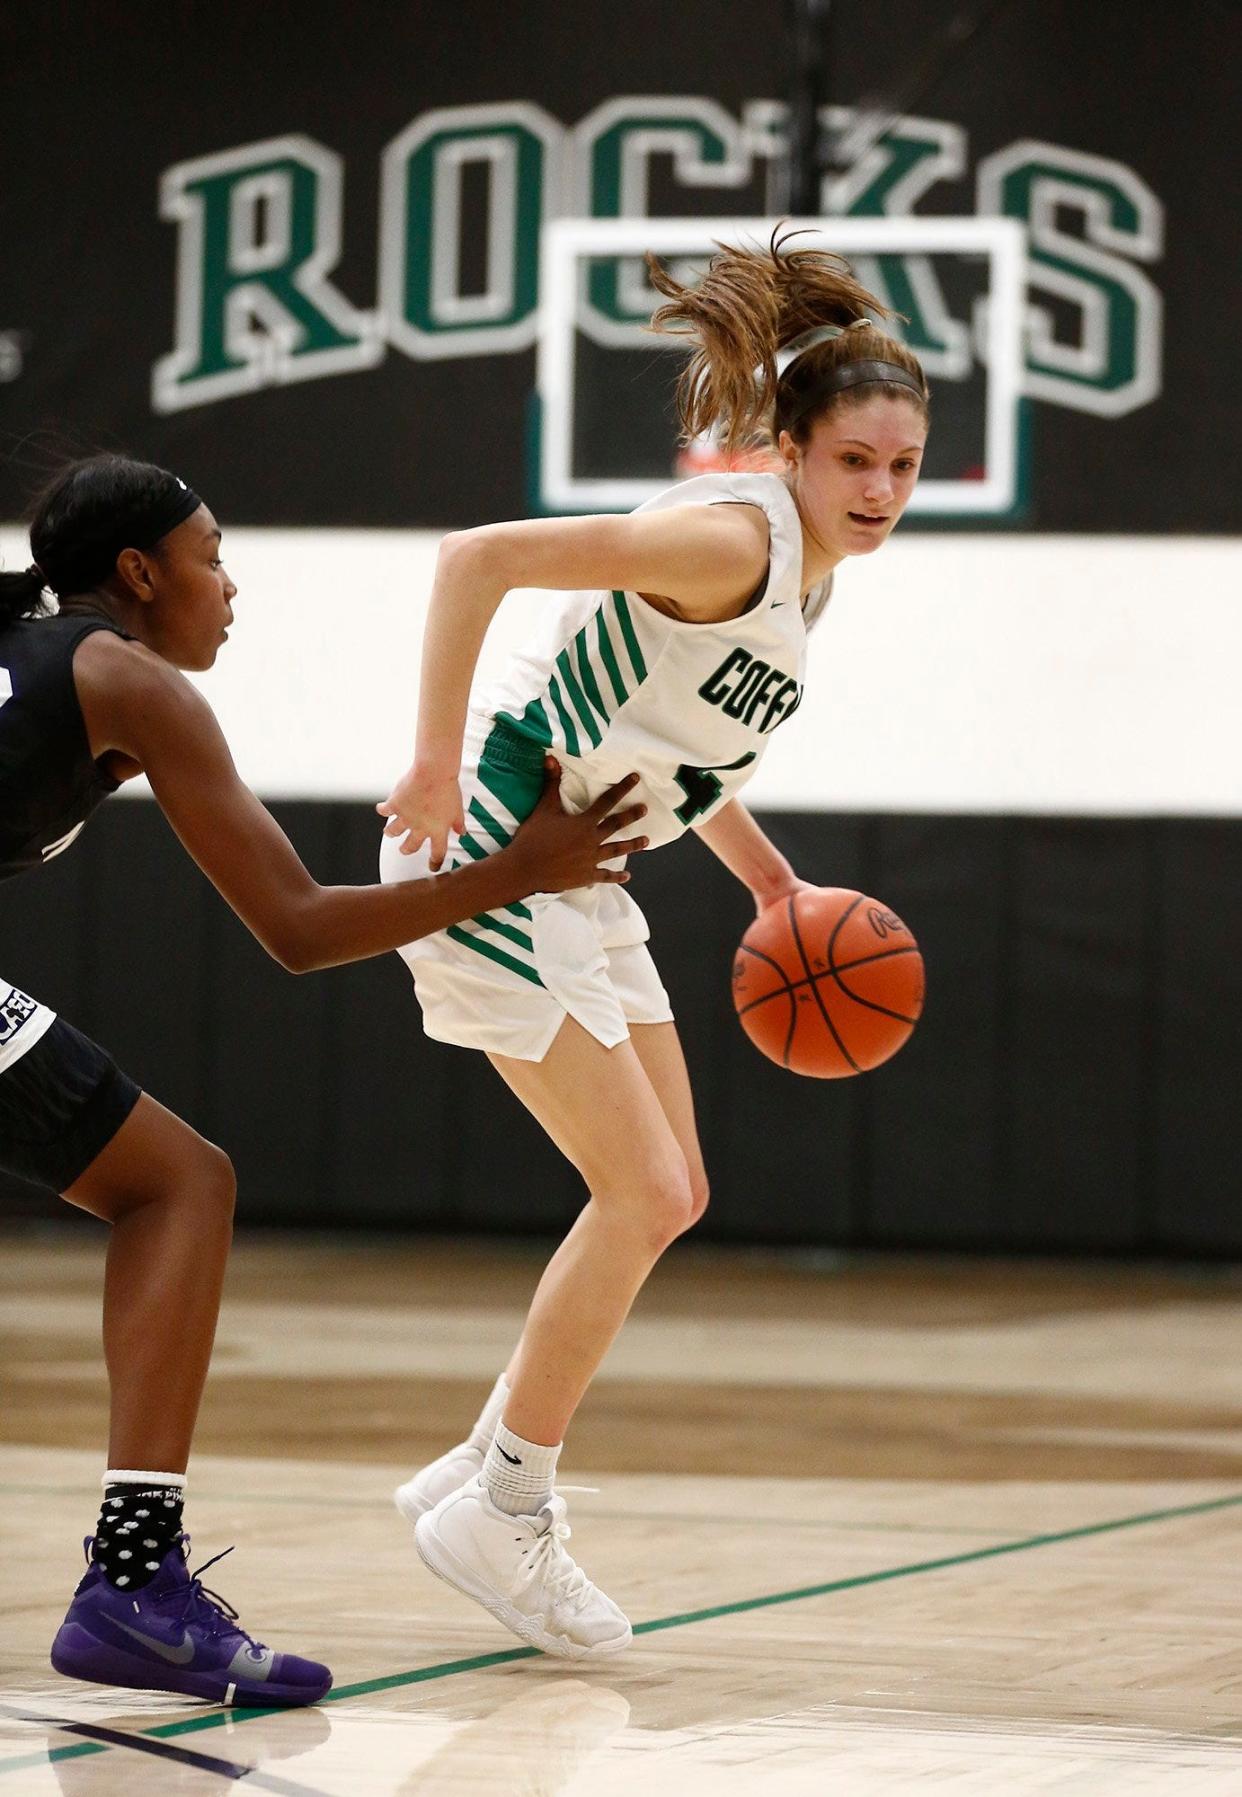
{"x": 952, "y": 673}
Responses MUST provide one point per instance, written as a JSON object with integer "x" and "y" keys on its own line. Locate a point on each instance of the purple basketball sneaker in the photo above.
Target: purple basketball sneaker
{"x": 174, "y": 1635}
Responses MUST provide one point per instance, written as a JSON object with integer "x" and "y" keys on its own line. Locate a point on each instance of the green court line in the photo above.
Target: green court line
{"x": 480, "y": 1662}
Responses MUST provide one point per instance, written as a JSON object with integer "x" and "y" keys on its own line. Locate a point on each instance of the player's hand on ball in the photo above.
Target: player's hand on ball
{"x": 774, "y": 895}
{"x": 428, "y": 809}
{"x": 564, "y": 849}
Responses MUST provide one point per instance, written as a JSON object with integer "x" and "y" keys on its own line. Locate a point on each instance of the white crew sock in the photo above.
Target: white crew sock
{"x": 485, "y": 1428}
{"x": 124, "y": 1476}
{"x": 518, "y": 1474}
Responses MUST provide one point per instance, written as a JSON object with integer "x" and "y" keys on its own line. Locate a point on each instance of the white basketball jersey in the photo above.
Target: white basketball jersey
{"x": 612, "y": 686}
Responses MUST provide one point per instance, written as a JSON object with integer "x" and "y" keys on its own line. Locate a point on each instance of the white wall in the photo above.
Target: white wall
{"x": 952, "y": 673}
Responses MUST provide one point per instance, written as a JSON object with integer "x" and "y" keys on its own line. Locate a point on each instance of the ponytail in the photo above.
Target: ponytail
{"x": 22, "y": 596}
{"x": 751, "y": 304}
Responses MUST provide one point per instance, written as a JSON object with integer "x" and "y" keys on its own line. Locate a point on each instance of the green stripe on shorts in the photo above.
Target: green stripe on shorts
{"x": 511, "y": 768}
{"x": 483, "y": 816}
{"x": 518, "y": 937}
{"x": 492, "y": 953}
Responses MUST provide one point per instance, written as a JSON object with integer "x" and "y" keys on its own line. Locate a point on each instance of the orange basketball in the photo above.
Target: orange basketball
{"x": 828, "y": 982}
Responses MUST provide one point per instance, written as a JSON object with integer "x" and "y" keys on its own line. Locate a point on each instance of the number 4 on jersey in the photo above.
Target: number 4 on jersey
{"x": 702, "y": 788}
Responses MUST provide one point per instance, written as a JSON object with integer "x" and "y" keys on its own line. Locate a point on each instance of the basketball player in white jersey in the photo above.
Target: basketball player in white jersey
{"x": 673, "y": 643}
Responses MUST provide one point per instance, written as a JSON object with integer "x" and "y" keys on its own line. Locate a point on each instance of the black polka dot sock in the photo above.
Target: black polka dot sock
{"x": 139, "y": 1521}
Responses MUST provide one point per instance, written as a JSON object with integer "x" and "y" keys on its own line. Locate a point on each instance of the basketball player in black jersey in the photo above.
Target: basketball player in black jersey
{"x": 91, "y": 696}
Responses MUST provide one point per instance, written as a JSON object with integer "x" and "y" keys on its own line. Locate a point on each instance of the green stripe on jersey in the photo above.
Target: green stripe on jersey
{"x": 577, "y": 698}
{"x": 492, "y": 953}
{"x": 609, "y": 658}
{"x": 631, "y": 640}
{"x": 533, "y": 724}
{"x": 567, "y": 723}
{"x": 590, "y": 685}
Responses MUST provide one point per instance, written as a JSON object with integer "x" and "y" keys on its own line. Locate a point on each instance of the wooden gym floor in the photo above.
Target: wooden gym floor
{"x": 882, "y": 1526}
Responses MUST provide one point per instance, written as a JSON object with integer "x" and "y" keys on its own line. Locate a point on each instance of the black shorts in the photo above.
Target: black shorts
{"x": 60, "y": 1104}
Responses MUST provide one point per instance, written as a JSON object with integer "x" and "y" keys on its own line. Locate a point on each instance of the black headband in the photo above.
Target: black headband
{"x": 92, "y": 557}
{"x": 169, "y": 509}
{"x": 853, "y": 374}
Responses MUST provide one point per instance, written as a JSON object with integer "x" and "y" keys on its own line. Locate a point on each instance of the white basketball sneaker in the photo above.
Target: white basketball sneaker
{"x": 424, "y": 1491}
{"x": 517, "y": 1567}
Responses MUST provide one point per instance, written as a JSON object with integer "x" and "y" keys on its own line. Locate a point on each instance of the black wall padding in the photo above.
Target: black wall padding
{"x": 1073, "y": 1085}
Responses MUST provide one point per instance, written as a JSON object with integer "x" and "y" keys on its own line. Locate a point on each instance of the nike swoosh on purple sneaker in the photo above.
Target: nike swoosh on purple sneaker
{"x": 180, "y": 1655}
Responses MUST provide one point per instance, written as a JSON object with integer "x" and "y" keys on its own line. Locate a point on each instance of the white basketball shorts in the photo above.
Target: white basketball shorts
{"x": 505, "y": 981}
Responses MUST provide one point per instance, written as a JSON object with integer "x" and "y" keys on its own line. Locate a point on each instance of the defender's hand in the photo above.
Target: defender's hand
{"x": 564, "y": 850}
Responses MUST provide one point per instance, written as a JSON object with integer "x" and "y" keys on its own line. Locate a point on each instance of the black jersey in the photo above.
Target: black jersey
{"x": 49, "y": 783}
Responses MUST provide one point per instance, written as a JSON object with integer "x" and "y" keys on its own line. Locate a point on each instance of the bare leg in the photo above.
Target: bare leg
{"x": 658, "y": 1047}
{"x": 168, "y": 1195}
{"x": 625, "y": 1118}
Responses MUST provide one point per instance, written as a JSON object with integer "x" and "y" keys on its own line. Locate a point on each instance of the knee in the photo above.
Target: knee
{"x": 669, "y": 1200}
{"x": 215, "y": 1183}
{"x": 700, "y": 1193}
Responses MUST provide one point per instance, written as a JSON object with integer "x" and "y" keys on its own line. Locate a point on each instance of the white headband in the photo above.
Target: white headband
{"x": 821, "y": 333}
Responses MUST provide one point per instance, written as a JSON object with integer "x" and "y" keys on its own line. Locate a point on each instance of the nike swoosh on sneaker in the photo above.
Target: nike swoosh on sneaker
{"x": 179, "y": 1655}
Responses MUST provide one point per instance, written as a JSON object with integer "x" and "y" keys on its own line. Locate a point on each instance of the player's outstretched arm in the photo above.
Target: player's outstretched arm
{"x": 138, "y": 706}
{"x": 750, "y": 855}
